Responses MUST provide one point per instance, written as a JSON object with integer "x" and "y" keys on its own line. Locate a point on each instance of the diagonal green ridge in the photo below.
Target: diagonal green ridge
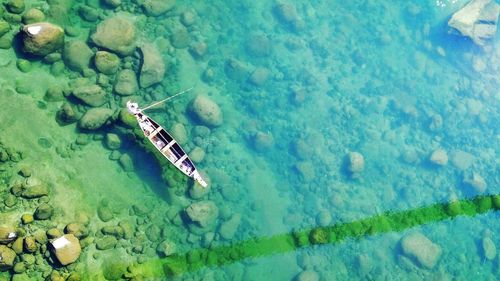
{"x": 387, "y": 222}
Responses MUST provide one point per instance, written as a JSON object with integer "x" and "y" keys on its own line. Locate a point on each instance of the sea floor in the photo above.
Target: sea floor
{"x": 341, "y": 141}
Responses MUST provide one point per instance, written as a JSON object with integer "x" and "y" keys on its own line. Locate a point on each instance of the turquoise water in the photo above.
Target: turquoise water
{"x": 301, "y": 86}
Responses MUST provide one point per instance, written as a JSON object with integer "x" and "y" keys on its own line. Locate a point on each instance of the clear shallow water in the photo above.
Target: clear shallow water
{"x": 381, "y": 78}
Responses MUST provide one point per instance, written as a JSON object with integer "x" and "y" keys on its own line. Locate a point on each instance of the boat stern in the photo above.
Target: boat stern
{"x": 197, "y": 177}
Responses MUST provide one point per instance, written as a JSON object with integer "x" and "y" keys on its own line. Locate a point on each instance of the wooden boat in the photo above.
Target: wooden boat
{"x": 165, "y": 143}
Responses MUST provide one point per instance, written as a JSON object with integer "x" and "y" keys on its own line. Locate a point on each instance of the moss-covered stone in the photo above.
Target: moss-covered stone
{"x": 27, "y": 218}
{"x": 33, "y": 15}
{"x": 483, "y": 204}
{"x": 106, "y": 242}
{"x": 43, "y": 212}
{"x": 30, "y": 244}
{"x": 106, "y": 62}
{"x": 15, "y": 6}
{"x": 8, "y": 256}
{"x": 4, "y": 27}
{"x": 319, "y": 236}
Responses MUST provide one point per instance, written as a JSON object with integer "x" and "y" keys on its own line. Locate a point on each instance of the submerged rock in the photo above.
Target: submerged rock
{"x": 420, "y": 248}
{"x": 356, "y": 162}
{"x": 95, "y": 118}
{"x": 42, "y": 38}
{"x": 228, "y": 228}
{"x": 106, "y": 62}
{"x": 35, "y": 191}
{"x": 477, "y": 20}
{"x": 207, "y": 111}
{"x": 92, "y": 95}
{"x": 66, "y": 249}
{"x": 203, "y": 213}
{"x": 77, "y": 55}
{"x": 153, "y": 67}
{"x": 489, "y": 248}
{"x": 7, "y": 234}
{"x": 307, "y": 275}
{"x": 126, "y": 83}
{"x": 43, "y": 212}
{"x": 439, "y": 157}
{"x": 167, "y": 248}
{"x": 117, "y": 34}
{"x": 476, "y": 182}
{"x": 157, "y": 7}
{"x": 7, "y": 258}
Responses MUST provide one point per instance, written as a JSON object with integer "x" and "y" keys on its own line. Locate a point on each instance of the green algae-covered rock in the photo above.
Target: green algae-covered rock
{"x": 92, "y": 95}
{"x": 54, "y": 233}
{"x": 66, "y": 114}
{"x": 157, "y": 7}
{"x": 35, "y": 191}
{"x": 106, "y": 62}
{"x": 8, "y": 256}
{"x": 114, "y": 270}
{"x": 19, "y": 267}
{"x": 115, "y": 231}
{"x": 17, "y": 245}
{"x": 153, "y": 67}
{"x": 27, "y": 218}
{"x": 166, "y": 248}
{"x": 126, "y": 83}
{"x": 33, "y": 15}
{"x": 77, "y": 55}
{"x": 113, "y": 141}
{"x": 43, "y": 212}
{"x": 7, "y": 234}
{"x": 23, "y": 65}
{"x": 126, "y": 162}
{"x": 496, "y": 201}
{"x": 104, "y": 213}
{"x": 117, "y": 34}
{"x": 106, "y": 242}
{"x": 483, "y": 204}
{"x": 180, "y": 38}
{"x": 77, "y": 229}
{"x": 30, "y": 244}
{"x": 453, "y": 208}
{"x": 153, "y": 233}
{"x": 127, "y": 119}
{"x": 4, "y": 27}
{"x": 95, "y": 118}
{"x": 319, "y": 236}
{"x": 42, "y": 38}
{"x": 15, "y": 6}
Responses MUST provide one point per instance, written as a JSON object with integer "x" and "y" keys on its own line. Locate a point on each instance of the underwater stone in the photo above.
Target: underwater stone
{"x": 106, "y": 62}
{"x": 157, "y": 7}
{"x": 307, "y": 275}
{"x": 42, "y": 38}
{"x": 35, "y": 191}
{"x": 106, "y": 242}
{"x": 489, "y": 248}
{"x": 127, "y": 229}
{"x": 356, "y": 162}
{"x": 439, "y": 157}
{"x": 23, "y": 65}
{"x": 306, "y": 170}
{"x": 113, "y": 141}
{"x": 180, "y": 38}
{"x": 92, "y": 95}
{"x": 27, "y": 218}
{"x": 77, "y": 55}
{"x": 113, "y": 3}
{"x": 203, "y": 213}
{"x": 95, "y": 118}
{"x": 166, "y": 248}
{"x": 7, "y": 234}
{"x": 17, "y": 245}
{"x": 262, "y": 141}
{"x": 77, "y": 229}
{"x": 126, "y": 162}
{"x": 188, "y": 18}
{"x": 477, "y": 20}
{"x": 67, "y": 249}
{"x": 153, "y": 67}
{"x": 153, "y": 233}
{"x": 7, "y": 258}
{"x": 207, "y": 111}
{"x": 54, "y": 233}
{"x": 33, "y": 15}
{"x": 197, "y": 154}
{"x": 115, "y": 231}
{"x": 179, "y": 133}
{"x": 258, "y": 45}
{"x": 15, "y": 6}
{"x": 30, "y": 244}
{"x": 259, "y": 76}
{"x": 43, "y": 212}
{"x": 287, "y": 15}
{"x": 104, "y": 213}
{"x": 476, "y": 182}
{"x": 117, "y": 34}
{"x": 461, "y": 159}
{"x": 66, "y": 114}
{"x": 236, "y": 70}
{"x": 126, "y": 83}
{"x": 228, "y": 228}
{"x": 417, "y": 246}
{"x": 4, "y": 27}
{"x": 19, "y": 267}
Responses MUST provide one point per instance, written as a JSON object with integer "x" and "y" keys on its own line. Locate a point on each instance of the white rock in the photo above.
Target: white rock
{"x": 417, "y": 246}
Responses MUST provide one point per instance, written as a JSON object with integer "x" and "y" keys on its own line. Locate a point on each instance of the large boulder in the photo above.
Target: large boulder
{"x": 117, "y": 34}
{"x": 477, "y": 20}
{"x": 106, "y": 62}
{"x": 92, "y": 95}
{"x": 153, "y": 67}
{"x": 7, "y": 256}
{"x": 203, "y": 213}
{"x": 157, "y": 7}
{"x": 420, "y": 248}
{"x": 7, "y": 234}
{"x": 35, "y": 191}
{"x": 207, "y": 111}
{"x": 126, "y": 83}
{"x": 95, "y": 118}
{"x": 66, "y": 249}
{"x": 77, "y": 55}
{"x": 42, "y": 38}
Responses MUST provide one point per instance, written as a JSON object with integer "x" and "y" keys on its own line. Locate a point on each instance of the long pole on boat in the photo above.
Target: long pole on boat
{"x": 169, "y": 98}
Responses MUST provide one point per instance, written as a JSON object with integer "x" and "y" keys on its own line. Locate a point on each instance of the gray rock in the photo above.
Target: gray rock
{"x": 106, "y": 62}
{"x": 92, "y": 95}
{"x": 489, "y": 248}
{"x": 416, "y": 246}
{"x": 196, "y": 191}
{"x": 153, "y": 67}
{"x": 126, "y": 83}
{"x": 43, "y": 212}
{"x": 33, "y": 15}
{"x": 207, "y": 111}
{"x": 77, "y": 55}
{"x": 66, "y": 249}
{"x": 117, "y": 34}
{"x": 95, "y": 118}
{"x": 356, "y": 162}
{"x": 461, "y": 160}
{"x": 476, "y": 182}
{"x": 77, "y": 229}
{"x": 167, "y": 248}
{"x": 203, "y": 213}
{"x": 35, "y": 191}
{"x": 15, "y": 6}
{"x": 179, "y": 133}
{"x": 42, "y": 38}
{"x": 477, "y": 20}
{"x": 307, "y": 275}
{"x": 7, "y": 258}
{"x": 157, "y": 7}
{"x": 7, "y": 234}
{"x": 113, "y": 141}
{"x": 104, "y": 213}
{"x": 126, "y": 162}
{"x": 153, "y": 233}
